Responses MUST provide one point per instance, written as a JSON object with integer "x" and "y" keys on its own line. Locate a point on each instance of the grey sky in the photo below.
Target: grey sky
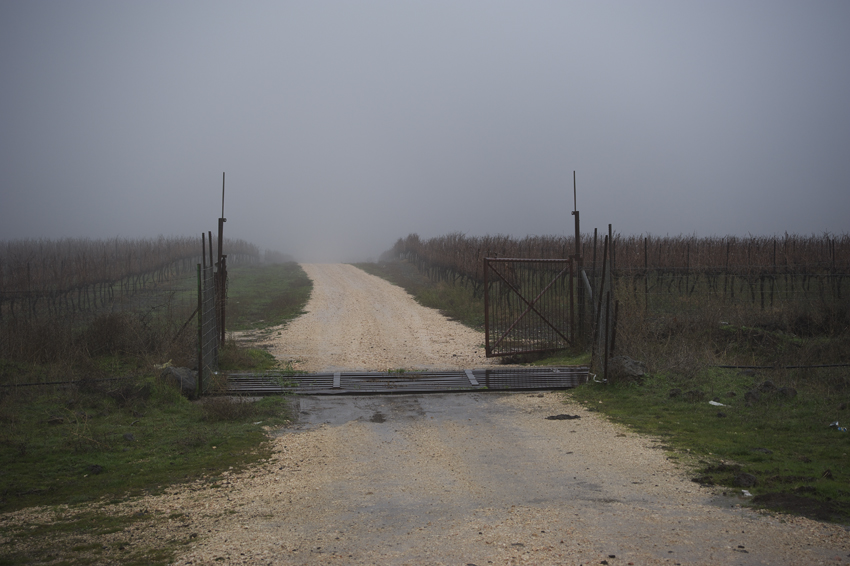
{"x": 345, "y": 125}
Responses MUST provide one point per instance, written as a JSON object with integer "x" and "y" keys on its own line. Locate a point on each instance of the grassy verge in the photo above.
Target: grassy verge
{"x": 260, "y": 296}
{"x": 108, "y": 437}
{"x": 115, "y": 439}
{"x": 84, "y": 537}
{"x": 771, "y": 437}
{"x": 457, "y": 302}
{"x": 102, "y": 446}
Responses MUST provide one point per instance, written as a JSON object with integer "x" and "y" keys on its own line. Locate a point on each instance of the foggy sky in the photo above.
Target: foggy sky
{"x": 343, "y": 126}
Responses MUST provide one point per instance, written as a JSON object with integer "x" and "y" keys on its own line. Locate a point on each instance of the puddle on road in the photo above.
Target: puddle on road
{"x": 316, "y": 410}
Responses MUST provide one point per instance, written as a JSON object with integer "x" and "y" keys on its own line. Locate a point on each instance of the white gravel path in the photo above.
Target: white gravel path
{"x": 357, "y": 321}
{"x": 484, "y": 479}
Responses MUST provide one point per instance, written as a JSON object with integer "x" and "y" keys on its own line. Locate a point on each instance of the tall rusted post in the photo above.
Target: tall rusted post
{"x": 646, "y": 274}
{"x": 221, "y": 222}
{"x": 607, "y": 334}
{"x": 595, "y": 337}
{"x": 199, "y": 386}
{"x": 221, "y": 276}
{"x": 595, "y": 235}
{"x": 487, "y": 350}
{"x": 572, "y": 307}
{"x": 578, "y": 262}
{"x": 223, "y": 295}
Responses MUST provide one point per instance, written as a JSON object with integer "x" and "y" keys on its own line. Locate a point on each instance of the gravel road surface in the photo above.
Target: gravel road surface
{"x": 356, "y": 321}
{"x": 482, "y": 478}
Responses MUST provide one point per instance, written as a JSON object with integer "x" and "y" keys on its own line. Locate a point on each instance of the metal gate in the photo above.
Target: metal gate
{"x": 528, "y": 305}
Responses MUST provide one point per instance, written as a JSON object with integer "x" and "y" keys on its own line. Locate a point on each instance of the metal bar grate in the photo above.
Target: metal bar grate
{"x": 508, "y": 379}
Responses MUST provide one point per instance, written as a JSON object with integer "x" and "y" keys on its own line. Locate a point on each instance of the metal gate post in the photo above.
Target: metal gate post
{"x": 572, "y": 308}
{"x": 487, "y": 351}
{"x": 198, "y": 388}
{"x": 579, "y": 263}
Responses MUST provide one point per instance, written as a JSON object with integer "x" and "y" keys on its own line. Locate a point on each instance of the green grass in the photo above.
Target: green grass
{"x": 65, "y": 538}
{"x": 93, "y": 442}
{"x": 260, "y": 296}
{"x": 233, "y": 357}
{"x": 51, "y": 436}
{"x": 784, "y": 442}
{"x": 109, "y": 442}
{"x": 79, "y": 444}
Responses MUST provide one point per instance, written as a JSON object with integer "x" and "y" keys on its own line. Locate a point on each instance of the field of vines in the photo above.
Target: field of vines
{"x": 755, "y": 269}
{"x": 41, "y": 279}
{"x": 798, "y": 284}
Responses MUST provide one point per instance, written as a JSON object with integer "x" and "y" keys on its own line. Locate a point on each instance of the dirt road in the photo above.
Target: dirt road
{"x": 476, "y": 478}
{"x": 481, "y": 478}
{"x": 357, "y": 321}
{"x": 460, "y": 479}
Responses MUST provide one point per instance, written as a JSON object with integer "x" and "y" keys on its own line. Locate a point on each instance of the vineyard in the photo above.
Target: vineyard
{"x": 63, "y": 299}
{"x": 664, "y": 286}
{"x": 761, "y": 271}
{"x": 52, "y": 278}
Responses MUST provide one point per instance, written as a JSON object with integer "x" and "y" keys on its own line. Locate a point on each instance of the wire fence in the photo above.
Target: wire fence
{"x": 173, "y": 315}
{"x": 753, "y": 296}
{"x": 208, "y": 330}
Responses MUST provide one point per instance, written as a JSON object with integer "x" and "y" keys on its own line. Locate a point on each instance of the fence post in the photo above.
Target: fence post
{"x": 594, "y": 355}
{"x": 607, "y": 334}
{"x": 614, "y": 326}
{"x": 646, "y": 274}
{"x": 222, "y": 273}
{"x": 578, "y": 261}
{"x": 487, "y": 350}
{"x": 223, "y": 296}
{"x": 572, "y": 308}
{"x": 198, "y": 388}
{"x": 595, "y": 241}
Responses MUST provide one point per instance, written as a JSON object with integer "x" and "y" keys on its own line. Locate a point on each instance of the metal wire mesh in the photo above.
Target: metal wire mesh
{"x": 603, "y": 328}
{"x": 208, "y": 335}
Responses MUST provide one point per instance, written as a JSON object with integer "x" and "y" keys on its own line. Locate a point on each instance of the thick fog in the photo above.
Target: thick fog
{"x": 345, "y": 125}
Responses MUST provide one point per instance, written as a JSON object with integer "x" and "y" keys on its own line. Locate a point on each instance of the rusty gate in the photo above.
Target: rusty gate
{"x": 528, "y": 305}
